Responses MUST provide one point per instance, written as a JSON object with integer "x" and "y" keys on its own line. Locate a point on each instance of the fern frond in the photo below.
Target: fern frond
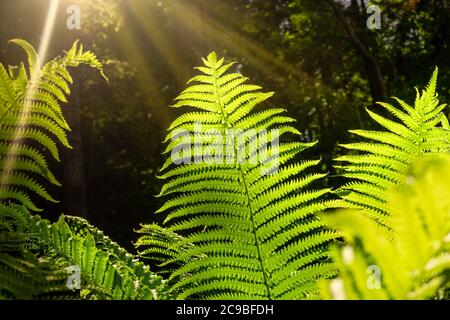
{"x": 30, "y": 112}
{"x": 238, "y": 218}
{"x": 376, "y": 166}
{"x": 35, "y": 254}
{"x": 29, "y": 277}
{"x": 412, "y": 261}
{"x": 103, "y": 262}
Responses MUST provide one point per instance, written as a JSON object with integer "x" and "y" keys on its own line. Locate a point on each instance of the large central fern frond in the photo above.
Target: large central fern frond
{"x": 382, "y": 162}
{"x": 245, "y": 206}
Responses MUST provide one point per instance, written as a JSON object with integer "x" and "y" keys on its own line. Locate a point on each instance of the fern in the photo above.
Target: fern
{"x": 248, "y": 233}
{"x": 412, "y": 262}
{"x": 382, "y": 163}
{"x": 103, "y": 262}
{"x": 43, "y": 251}
{"x": 31, "y": 121}
{"x": 34, "y": 253}
{"x": 23, "y": 274}
{"x": 161, "y": 247}
{"x": 28, "y": 277}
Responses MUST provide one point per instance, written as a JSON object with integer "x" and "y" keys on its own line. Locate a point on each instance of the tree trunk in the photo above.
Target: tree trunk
{"x": 374, "y": 75}
{"x": 72, "y": 160}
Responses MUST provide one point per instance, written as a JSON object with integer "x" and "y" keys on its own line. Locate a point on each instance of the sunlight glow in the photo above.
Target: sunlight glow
{"x": 34, "y": 77}
{"x": 149, "y": 23}
{"x": 211, "y": 28}
{"x": 47, "y": 34}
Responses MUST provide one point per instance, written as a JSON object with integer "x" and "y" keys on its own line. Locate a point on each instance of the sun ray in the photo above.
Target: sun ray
{"x": 262, "y": 59}
{"x": 145, "y": 77}
{"x": 48, "y": 31}
{"x": 148, "y": 22}
{"x": 34, "y": 77}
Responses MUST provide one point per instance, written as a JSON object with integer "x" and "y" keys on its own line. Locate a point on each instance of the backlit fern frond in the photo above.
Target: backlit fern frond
{"x": 23, "y": 273}
{"x": 160, "y": 246}
{"x": 101, "y": 261}
{"x": 32, "y": 122}
{"x": 382, "y": 161}
{"x": 37, "y": 259}
{"x": 239, "y": 198}
{"x": 34, "y": 253}
{"x": 24, "y": 276}
{"x": 412, "y": 262}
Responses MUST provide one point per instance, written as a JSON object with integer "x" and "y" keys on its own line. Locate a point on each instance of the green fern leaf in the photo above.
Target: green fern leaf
{"x": 238, "y": 218}
{"x": 376, "y": 166}
{"x": 30, "y": 112}
{"x": 412, "y": 261}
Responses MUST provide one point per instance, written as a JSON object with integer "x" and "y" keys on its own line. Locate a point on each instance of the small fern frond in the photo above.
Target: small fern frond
{"x": 376, "y": 166}
{"x": 412, "y": 261}
{"x": 160, "y": 246}
{"x": 24, "y": 274}
{"x": 26, "y": 277}
{"x": 36, "y": 256}
{"x": 32, "y": 121}
{"x": 102, "y": 261}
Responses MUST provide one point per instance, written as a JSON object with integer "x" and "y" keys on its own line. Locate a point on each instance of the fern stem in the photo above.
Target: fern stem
{"x": 266, "y": 282}
{"x": 247, "y": 194}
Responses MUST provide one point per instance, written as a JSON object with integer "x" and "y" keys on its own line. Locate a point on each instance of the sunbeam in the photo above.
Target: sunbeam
{"x": 47, "y": 34}
{"x": 146, "y": 79}
{"x": 149, "y": 23}
{"x": 34, "y": 78}
{"x": 264, "y": 60}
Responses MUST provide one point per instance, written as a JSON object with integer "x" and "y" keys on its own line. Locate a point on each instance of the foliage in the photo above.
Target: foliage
{"x": 244, "y": 215}
{"x": 23, "y": 275}
{"x": 46, "y": 250}
{"x": 383, "y": 161}
{"x": 161, "y": 247}
{"x": 35, "y": 253}
{"x": 252, "y": 219}
{"x": 31, "y": 111}
{"x": 296, "y": 48}
{"x": 413, "y": 261}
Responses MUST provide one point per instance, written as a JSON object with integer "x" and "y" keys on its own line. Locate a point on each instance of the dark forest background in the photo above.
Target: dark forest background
{"x": 319, "y": 57}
